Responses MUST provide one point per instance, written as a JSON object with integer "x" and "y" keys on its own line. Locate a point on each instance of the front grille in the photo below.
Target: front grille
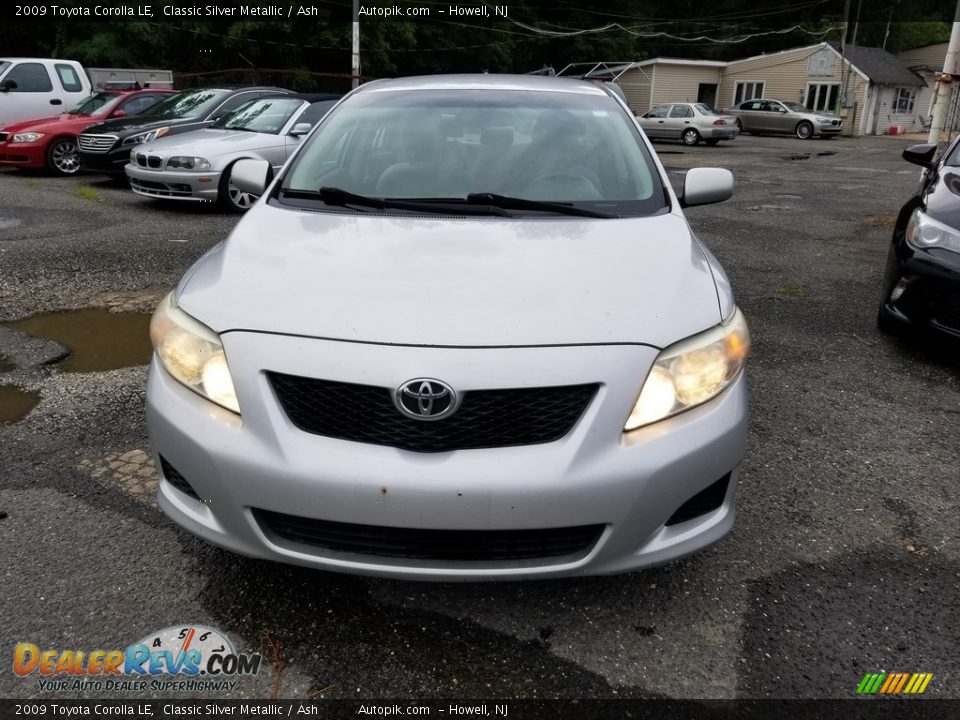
{"x": 705, "y": 501}
{"x": 835, "y": 122}
{"x": 154, "y": 161}
{"x": 485, "y": 418}
{"x": 946, "y": 311}
{"x": 141, "y": 160}
{"x": 172, "y": 476}
{"x": 423, "y": 544}
{"x": 96, "y": 143}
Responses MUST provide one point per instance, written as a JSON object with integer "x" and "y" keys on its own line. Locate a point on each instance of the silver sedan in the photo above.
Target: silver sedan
{"x": 198, "y": 165}
{"x": 688, "y": 122}
{"x": 466, "y": 333}
{"x": 780, "y": 116}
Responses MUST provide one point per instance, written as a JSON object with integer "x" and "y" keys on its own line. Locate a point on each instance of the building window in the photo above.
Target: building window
{"x": 747, "y": 91}
{"x": 904, "y": 99}
{"x": 822, "y": 97}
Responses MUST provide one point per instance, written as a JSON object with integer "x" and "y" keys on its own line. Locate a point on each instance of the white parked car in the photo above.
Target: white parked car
{"x": 467, "y": 333}
{"x": 689, "y": 123}
{"x": 196, "y": 165}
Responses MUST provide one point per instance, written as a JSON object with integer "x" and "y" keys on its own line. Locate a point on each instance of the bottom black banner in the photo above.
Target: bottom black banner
{"x": 892, "y": 709}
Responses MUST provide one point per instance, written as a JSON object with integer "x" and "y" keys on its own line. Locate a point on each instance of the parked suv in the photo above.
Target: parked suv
{"x": 106, "y": 147}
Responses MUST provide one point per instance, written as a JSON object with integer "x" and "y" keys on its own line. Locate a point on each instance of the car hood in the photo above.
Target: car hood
{"x": 210, "y": 142}
{"x": 455, "y": 282}
{"x": 135, "y": 123}
{"x": 65, "y": 121}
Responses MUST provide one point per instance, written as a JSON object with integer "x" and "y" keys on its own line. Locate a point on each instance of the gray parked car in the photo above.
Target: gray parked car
{"x": 780, "y": 116}
{"x": 466, "y": 333}
{"x": 197, "y": 165}
{"x": 688, "y": 122}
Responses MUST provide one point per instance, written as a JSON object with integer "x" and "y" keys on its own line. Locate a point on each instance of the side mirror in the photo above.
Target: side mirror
{"x": 118, "y": 114}
{"x": 703, "y": 186}
{"x": 921, "y": 155}
{"x": 8, "y": 85}
{"x": 251, "y": 176}
{"x": 300, "y": 129}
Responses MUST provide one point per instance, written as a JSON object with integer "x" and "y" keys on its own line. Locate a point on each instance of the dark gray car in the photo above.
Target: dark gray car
{"x": 780, "y": 116}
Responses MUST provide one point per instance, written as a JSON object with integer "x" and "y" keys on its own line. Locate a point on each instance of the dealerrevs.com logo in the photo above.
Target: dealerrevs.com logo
{"x": 180, "y": 658}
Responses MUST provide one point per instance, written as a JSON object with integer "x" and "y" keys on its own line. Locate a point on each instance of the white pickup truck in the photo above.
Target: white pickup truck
{"x": 39, "y": 87}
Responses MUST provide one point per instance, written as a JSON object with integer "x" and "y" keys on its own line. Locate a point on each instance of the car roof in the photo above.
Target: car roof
{"x": 306, "y": 97}
{"x": 485, "y": 81}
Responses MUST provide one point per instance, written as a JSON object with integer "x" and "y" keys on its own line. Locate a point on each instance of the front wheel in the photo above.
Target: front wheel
{"x": 62, "y": 158}
{"x": 804, "y": 130}
{"x": 231, "y": 197}
{"x": 690, "y": 137}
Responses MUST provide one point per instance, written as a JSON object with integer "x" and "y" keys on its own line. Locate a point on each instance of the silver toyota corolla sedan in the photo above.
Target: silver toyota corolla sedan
{"x": 465, "y": 333}
{"x": 197, "y": 165}
{"x": 689, "y": 123}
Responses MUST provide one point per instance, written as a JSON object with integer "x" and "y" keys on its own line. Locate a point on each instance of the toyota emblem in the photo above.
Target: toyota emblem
{"x": 426, "y": 399}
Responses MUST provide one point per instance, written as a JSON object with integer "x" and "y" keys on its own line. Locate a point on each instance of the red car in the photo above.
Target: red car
{"x": 51, "y": 142}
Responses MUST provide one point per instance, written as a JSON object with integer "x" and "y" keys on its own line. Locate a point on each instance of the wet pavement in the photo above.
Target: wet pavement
{"x": 844, "y": 559}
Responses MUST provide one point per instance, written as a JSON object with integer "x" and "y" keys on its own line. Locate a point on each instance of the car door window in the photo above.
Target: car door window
{"x": 753, "y": 105}
{"x": 771, "y": 107}
{"x": 681, "y": 111}
{"x": 136, "y": 105}
{"x": 231, "y": 104}
{"x": 30, "y": 77}
{"x": 68, "y": 78}
{"x": 658, "y": 112}
{"x": 316, "y": 111}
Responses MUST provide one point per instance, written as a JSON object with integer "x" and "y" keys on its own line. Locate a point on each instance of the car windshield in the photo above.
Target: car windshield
{"x": 266, "y": 115}
{"x": 706, "y": 109}
{"x": 796, "y": 107}
{"x": 558, "y": 147}
{"x": 186, "y": 104}
{"x": 3, "y": 66}
{"x": 96, "y": 104}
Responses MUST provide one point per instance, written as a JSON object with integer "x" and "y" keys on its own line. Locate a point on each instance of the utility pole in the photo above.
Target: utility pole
{"x": 941, "y": 97}
{"x": 355, "y": 60}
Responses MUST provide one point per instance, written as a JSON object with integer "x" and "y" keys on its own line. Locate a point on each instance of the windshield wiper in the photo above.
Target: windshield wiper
{"x": 343, "y": 198}
{"x": 514, "y": 203}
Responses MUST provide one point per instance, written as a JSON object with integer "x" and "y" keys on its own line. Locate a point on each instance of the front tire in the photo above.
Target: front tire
{"x": 62, "y": 157}
{"x": 232, "y": 198}
{"x": 804, "y": 130}
{"x": 690, "y": 137}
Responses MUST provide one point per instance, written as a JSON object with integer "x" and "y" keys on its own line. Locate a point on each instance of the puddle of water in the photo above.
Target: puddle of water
{"x": 5, "y": 365}
{"x": 16, "y": 403}
{"x": 9, "y": 223}
{"x": 97, "y": 338}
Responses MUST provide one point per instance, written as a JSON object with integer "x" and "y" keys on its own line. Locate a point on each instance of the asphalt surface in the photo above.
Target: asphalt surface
{"x": 844, "y": 559}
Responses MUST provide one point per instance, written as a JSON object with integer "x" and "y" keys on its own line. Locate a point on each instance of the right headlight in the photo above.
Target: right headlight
{"x": 144, "y": 137}
{"x": 692, "y": 371}
{"x": 925, "y": 232}
{"x": 192, "y": 353}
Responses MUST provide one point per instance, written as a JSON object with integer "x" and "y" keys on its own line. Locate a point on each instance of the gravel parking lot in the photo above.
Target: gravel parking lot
{"x": 844, "y": 559}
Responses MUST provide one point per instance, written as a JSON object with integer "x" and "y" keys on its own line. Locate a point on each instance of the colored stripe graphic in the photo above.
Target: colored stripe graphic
{"x": 894, "y": 683}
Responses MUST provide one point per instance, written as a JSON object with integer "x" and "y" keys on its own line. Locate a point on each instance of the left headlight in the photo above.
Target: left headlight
{"x": 193, "y": 354}
{"x": 692, "y": 371}
{"x": 146, "y": 136}
{"x": 925, "y": 232}
{"x": 181, "y": 162}
{"x": 26, "y": 137}
{"x": 825, "y": 121}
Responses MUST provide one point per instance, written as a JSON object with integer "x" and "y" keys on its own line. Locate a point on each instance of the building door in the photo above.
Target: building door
{"x": 707, "y": 94}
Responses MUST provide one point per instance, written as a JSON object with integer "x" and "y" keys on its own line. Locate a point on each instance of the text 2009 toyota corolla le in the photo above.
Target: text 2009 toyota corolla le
{"x": 467, "y": 333}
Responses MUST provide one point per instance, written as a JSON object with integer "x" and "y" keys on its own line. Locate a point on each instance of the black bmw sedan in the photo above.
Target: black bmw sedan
{"x": 921, "y": 284}
{"x": 105, "y": 147}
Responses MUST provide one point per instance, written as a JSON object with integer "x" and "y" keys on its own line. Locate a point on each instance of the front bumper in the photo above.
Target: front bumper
{"x": 24, "y": 155}
{"x": 820, "y": 129}
{"x": 109, "y": 163}
{"x": 630, "y": 485}
{"x": 927, "y": 285}
{"x": 173, "y": 184}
